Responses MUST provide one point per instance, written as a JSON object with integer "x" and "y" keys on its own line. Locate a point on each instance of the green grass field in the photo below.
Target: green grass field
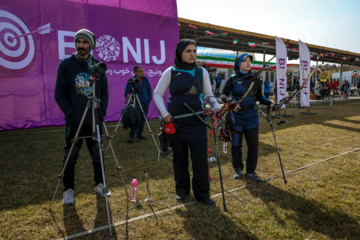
{"x": 320, "y": 154}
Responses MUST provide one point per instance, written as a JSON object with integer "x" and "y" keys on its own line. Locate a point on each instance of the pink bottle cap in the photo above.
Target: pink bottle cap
{"x": 134, "y": 182}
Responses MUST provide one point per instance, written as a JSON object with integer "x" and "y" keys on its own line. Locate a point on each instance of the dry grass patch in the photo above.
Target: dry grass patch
{"x": 319, "y": 202}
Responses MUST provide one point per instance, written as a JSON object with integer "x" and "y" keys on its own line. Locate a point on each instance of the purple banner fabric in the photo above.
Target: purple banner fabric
{"x": 35, "y": 36}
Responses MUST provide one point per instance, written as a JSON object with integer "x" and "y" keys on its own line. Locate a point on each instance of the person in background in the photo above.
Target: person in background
{"x": 186, "y": 82}
{"x": 218, "y": 84}
{"x": 317, "y": 87}
{"x": 144, "y": 93}
{"x": 267, "y": 88}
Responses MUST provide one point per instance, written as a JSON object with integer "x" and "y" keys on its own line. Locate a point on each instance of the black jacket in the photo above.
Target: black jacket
{"x": 72, "y": 84}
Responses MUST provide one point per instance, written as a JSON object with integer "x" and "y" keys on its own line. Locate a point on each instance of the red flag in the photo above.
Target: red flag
{"x": 209, "y": 33}
{"x": 252, "y": 44}
{"x": 192, "y": 26}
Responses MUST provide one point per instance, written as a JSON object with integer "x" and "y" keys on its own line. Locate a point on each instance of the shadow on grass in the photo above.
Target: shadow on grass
{"x": 72, "y": 221}
{"x": 308, "y": 214}
{"x": 74, "y": 225}
{"x": 102, "y": 220}
{"x": 351, "y": 121}
{"x": 203, "y": 222}
{"x": 341, "y": 127}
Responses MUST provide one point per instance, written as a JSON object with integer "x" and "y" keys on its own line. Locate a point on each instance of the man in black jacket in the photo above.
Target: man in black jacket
{"x": 73, "y": 85}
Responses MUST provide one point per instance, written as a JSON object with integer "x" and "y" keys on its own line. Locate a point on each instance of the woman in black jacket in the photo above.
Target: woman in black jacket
{"x": 186, "y": 82}
{"x": 244, "y": 120}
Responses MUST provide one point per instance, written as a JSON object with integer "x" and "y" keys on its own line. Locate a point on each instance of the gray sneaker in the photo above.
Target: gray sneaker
{"x": 131, "y": 139}
{"x": 253, "y": 177}
{"x": 100, "y": 190}
{"x": 68, "y": 196}
{"x": 237, "y": 173}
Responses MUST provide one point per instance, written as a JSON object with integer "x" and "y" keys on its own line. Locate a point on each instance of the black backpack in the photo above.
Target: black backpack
{"x": 131, "y": 117}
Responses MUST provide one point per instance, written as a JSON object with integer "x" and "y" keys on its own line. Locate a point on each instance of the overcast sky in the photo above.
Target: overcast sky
{"x": 329, "y": 23}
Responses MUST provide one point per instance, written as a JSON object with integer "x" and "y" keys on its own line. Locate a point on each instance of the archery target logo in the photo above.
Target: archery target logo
{"x": 108, "y": 48}
{"x": 17, "y": 47}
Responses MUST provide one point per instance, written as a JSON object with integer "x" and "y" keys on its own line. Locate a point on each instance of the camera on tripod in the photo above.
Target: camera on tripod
{"x": 134, "y": 82}
{"x": 210, "y": 70}
{"x": 96, "y": 68}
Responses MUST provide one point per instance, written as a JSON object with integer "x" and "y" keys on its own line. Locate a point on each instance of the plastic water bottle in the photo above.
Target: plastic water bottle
{"x": 133, "y": 190}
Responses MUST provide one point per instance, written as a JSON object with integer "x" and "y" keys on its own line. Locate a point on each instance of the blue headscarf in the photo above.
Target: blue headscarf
{"x": 238, "y": 61}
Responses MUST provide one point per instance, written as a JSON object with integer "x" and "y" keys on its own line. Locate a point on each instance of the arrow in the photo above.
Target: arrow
{"x": 44, "y": 29}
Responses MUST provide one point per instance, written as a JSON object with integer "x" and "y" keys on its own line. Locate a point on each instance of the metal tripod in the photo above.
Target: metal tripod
{"x": 148, "y": 199}
{"x": 97, "y": 119}
{"x": 134, "y": 98}
{"x": 270, "y": 120}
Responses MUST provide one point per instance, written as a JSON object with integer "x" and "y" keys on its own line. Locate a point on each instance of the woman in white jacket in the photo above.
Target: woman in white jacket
{"x": 186, "y": 81}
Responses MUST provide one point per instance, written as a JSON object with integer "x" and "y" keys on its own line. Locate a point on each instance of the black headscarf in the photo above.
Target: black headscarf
{"x": 180, "y": 47}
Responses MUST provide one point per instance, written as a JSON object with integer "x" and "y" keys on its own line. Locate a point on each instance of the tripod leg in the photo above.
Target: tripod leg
{"x": 277, "y": 148}
{"x": 147, "y": 189}
{"x": 218, "y": 160}
{"x": 61, "y": 176}
{"x": 105, "y": 191}
{"x": 118, "y": 124}
{"x": 270, "y": 120}
{"x": 113, "y": 153}
{"x": 147, "y": 123}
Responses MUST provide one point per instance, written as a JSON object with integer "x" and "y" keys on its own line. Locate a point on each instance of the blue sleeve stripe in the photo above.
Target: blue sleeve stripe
{"x": 192, "y": 71}
{"x": 265, "y": 99}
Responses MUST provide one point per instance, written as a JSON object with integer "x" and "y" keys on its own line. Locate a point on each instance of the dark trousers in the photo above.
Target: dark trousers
{"x": 145, "y": 107}
{"x": 200, "y": 181}
{"x": 69, "y": 173}
{"x": 217, "y": 91}
{"x": 252, "y": 142}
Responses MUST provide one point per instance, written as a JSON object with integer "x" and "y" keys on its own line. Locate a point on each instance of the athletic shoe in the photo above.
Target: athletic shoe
{"x": 237, "y": 173}
{"x": 141, "y": 137}
{"x": 68, "y": 196}
{"x": 207, "y": 202}
{"x": 253, "y": 177}
{"x": 180, "y": 198}
{"x": 100, "y": 190}
{"x": 131, "y": 139}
